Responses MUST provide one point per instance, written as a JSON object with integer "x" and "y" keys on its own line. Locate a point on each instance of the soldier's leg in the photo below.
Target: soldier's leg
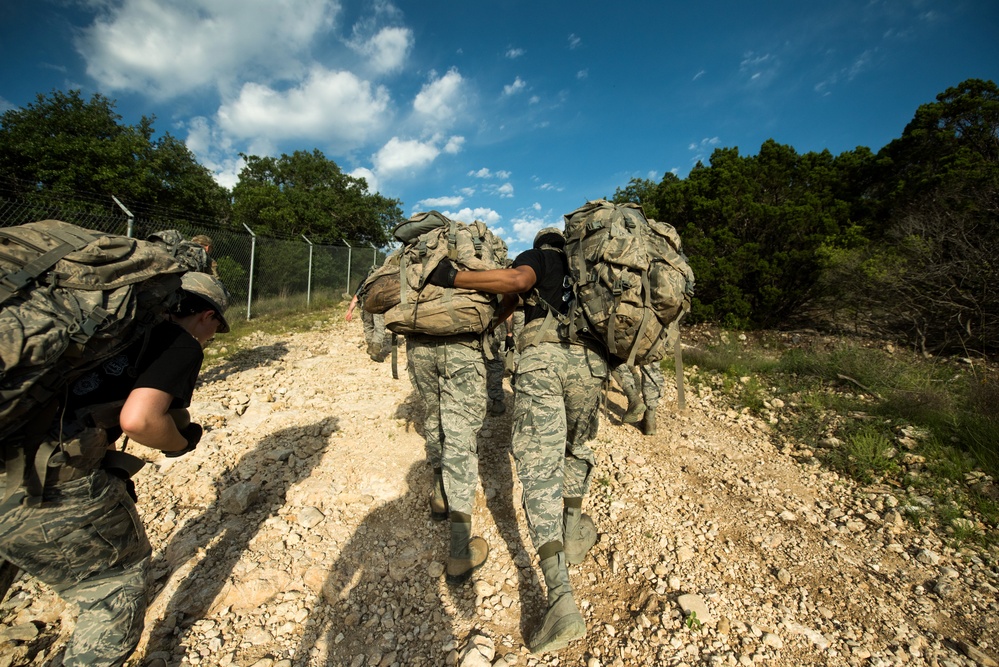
{"x": 462, "y": 411}
{"x": 88, "y": 544}
{"x": 586, "y": 374}
{"x": 652, "y": 391}
{"x": 539, "y": 432}
{"x": 422, "y": 366}
{"x": 381, "y": 338}
{"x": 368, "y": 320}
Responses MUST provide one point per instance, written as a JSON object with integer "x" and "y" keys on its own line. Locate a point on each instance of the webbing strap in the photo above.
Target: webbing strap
{"x": 681, "y": 399}
{"x": 452, "y": 241}
{"x": 12, "y": 282}
{"x": 403, "y": 286}
{"x": 646, "y": 318}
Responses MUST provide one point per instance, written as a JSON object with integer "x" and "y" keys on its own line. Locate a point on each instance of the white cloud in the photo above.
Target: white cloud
{"x": 698, "y": 75}
{"x": 440, "y": 202}
{"x": 550, "y": 187}
{"x": 513, "y": 53}
{"x": 485, "y": 172}
{"x": 528, "y": 224}
{"x": 583, "y": 74}
{"x": 214, "y": 151}
{"x": 369, "y": 177}
{"x": 454, "y": 145}
{"x": 336, "y": 106}
{"x": 441, "y": 99}
{"x": 399, "y": 155}
{"x": 166, "y": 49}
{"x": 515, "y": 87}
{"x": 486, "y": 215}
{"x": 574, "y": 41}
{"x": 5, "y": 105}
{"x": 505, "y": 190}
{"x": 468, "y": 192}
{"x": 387, "y": 49}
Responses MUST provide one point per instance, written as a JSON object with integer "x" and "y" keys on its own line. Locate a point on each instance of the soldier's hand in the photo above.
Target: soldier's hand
{"x": 509, "y": 343}
{"x": 192, "y": 433}
{"x": 444, "y": 274}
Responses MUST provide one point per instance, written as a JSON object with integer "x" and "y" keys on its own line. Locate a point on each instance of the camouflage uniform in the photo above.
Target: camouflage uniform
{"x": 449, "y": 373}
{"x": 556, "y": 412}
{"x": 652, "y": 382}
{"x": 87, "y": 543}
{"x": 495, "y": 367}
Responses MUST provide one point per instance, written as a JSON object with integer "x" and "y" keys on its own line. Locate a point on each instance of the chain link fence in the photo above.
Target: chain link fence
{"x": 263, "y": 274}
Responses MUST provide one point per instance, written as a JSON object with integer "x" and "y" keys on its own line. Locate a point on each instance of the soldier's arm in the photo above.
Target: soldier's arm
{"x": 515, "y": 280}
{"x": 146, "y": 418}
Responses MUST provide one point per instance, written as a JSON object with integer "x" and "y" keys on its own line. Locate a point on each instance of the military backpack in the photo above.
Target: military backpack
{"x": 399, "y": 288}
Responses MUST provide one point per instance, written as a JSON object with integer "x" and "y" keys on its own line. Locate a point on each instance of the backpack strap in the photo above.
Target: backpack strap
{"x": 13, "y": 282}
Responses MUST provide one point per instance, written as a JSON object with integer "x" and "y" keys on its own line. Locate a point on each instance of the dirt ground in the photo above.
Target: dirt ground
{"x": 298, "y": 533}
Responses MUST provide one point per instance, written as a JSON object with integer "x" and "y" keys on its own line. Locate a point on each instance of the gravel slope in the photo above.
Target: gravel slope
{"x": 298, "y": 533}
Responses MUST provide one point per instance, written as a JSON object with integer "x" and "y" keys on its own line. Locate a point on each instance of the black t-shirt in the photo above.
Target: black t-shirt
{"x": 171, "y": 363}
{"x": 551, "y": 268}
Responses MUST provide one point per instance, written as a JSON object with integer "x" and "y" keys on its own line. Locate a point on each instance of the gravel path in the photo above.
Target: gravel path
{"x": 299, "y": 534}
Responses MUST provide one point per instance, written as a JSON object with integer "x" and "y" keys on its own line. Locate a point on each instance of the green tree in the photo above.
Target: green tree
{"x": 751, "y": 227}
{"x": 931, "y": 274}
{"x": 64, "y": 144}
{"x": 305, "y": 193}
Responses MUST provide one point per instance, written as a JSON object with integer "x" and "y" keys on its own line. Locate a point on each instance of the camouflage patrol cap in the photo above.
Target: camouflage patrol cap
{"x": 211, "y": 290}
{"x": 549, "y": 232}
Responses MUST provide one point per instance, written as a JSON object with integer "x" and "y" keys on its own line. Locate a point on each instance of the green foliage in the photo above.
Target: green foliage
{"x": 752, "y": 228}
{"x": 924, "y": 424}
{"x": 305, "y": 193}
{"x": 65, "y": 144}
{"x": 929, "y": 278}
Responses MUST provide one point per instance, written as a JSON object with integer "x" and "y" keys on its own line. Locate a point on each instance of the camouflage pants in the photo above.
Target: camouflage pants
{"x": 450, "y": 377}
{"x": 652, "y": 382}
{"x": 555, "y": 414}
{"x": 379, "y": 341}
{"x": 87, "y": 543}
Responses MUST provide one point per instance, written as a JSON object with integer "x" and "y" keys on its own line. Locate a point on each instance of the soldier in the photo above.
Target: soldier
{"x": 556, "y": 409}
{"x": 206, "y": 242}
{"x": 83, "y": 537}
{"x": 379, "y": 344}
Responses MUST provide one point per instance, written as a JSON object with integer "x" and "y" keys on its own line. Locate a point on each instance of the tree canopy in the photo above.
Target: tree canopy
{"x": 902, "y": 243}
{"x": 64, "y": 144}
{"x": 305, "y": 193}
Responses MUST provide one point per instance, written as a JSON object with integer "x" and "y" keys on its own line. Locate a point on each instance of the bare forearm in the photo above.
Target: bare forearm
{"x": 497, "y": 281}
{"x": 156, "y": 431}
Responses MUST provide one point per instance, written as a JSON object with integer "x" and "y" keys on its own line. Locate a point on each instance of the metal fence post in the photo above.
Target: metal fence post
{"x": 253, "y": 252}
{"x": 308, "y": 285}
{"x": 350, "y": 249}
{"x": 131, "y": 218}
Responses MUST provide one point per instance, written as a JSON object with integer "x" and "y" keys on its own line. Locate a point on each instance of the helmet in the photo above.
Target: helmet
{"x": 211, "y": 290}
{"x": 548, "y": 232}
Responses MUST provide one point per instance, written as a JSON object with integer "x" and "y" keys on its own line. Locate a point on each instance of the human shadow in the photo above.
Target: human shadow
{"x": 384, "y": 600}
{"x": 244, "y": 360}
{"x": 211, "y": 543}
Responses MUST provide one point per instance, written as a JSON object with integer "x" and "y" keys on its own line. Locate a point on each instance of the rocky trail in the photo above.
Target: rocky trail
{"x": 298, "y": 533}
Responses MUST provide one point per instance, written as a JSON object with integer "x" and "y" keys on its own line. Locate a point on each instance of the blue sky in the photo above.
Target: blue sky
{"x": 513, "y": 112}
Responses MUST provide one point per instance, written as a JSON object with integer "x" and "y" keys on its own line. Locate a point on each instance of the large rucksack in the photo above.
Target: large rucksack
{"x": 399, "y": 288}
{"x": 71, "y": 298}
{"x": 632, "y": 284}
